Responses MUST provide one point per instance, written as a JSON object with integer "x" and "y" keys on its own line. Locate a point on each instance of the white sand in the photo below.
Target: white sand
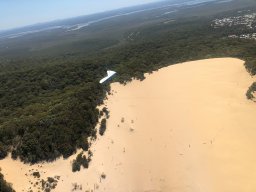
{"x": 187, "y": 128}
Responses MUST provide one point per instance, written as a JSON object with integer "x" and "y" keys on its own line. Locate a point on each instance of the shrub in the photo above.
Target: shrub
{"x": 36, "y": 174}
{"x": 103, "y": 176}
{"x": 75, "y": 166}
{"x": 106, "y": 111}
{"x": 251, "y": 90}
{"x": 4, "y": 186}
{"x": 103, "y": 127}
{"x": 80, "y": 160}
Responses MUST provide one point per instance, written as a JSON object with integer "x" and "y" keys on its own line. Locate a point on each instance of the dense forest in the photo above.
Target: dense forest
{"x": 48, "y": 102}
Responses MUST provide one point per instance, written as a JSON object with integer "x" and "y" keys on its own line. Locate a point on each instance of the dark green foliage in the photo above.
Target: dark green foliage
{"x": 80, "y": 160}
{"x": 103, "y": 176}
{"x": 51, "y": 180}
{"x": 36, "y": 174}
{"x": 250, "y": 91}
{"x": 101, "y": 114}
{"x": 48, "y": 97}
{"x": 250, "y": 65}
{"x": 51, "y": 124}
{"x": 106, "y": 112}
{"x": 84, "y": 144}
{"x": 49, "y": 184}
{"x": 75, "y": 166}
{"x": 3, "y": 151}
{"x": 4, "y": 186}
{"x": 103, "y": 127}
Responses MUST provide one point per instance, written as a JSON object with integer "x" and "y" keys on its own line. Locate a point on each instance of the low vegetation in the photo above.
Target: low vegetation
{"x": 103, "y": 176}
{"x": 49, "y": 184}
{"x": 250, "y": 65}
{"x": 36, "y": 174}
{"x": 80, "y": 160}
{"x": 106, "y": 112}
{"x": 103, "y": 126}
{"x": 77, "y": 187}
{"x": 4, "y": 186}
{"x": 250, "y": 92}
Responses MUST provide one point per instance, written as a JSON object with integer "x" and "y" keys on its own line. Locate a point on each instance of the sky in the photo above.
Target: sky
{"x": 17, "y": 13}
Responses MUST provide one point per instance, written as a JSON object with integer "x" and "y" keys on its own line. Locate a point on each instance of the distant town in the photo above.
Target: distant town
{"x": 247, "y": 20}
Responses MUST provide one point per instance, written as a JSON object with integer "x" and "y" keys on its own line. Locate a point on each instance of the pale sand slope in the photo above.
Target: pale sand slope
{"x": 194, "y": 131}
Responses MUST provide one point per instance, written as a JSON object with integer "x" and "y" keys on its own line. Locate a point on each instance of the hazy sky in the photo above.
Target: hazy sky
{"x": 15, "y": 13}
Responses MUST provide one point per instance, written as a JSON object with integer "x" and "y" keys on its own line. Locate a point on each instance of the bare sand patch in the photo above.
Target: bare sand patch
{"x": 186, "y": 128}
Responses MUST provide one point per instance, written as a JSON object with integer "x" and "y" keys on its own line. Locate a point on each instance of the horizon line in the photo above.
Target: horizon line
{"x": 67, "y": 18}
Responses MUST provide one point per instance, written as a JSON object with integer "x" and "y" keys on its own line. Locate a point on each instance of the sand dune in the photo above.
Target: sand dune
{"x": 186, "y": 128}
